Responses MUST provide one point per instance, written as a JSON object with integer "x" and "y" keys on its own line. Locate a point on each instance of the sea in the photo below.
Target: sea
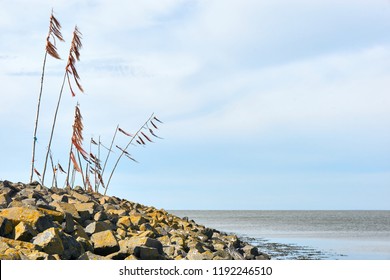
{"x": 308, "y": 235}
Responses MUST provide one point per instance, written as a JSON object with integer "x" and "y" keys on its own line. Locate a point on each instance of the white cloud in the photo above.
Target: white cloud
{"x": 327, "y": 92}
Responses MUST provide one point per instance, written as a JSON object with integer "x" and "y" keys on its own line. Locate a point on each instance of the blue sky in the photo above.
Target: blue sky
{"x": 266, "y": 104}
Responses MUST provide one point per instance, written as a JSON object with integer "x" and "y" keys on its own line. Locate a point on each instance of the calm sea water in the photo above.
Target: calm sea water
{"x": 359, "y": 235}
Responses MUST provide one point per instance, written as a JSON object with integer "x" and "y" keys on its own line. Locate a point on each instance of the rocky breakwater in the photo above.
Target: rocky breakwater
{"x": 52, "y": 223}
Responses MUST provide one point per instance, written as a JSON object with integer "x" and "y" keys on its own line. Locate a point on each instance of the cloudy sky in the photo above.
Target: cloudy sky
{"x": 266, "y": 104}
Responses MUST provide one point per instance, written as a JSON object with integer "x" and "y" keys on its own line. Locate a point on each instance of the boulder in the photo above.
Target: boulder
{"x": 60, "y": 198}
{"x": 50, "y": 241}
{"x": 72, "y": 248}
{"x": 81, "y": 197}
{"x": 100, "y": 216}
{"x": 262, "y": 257}
{"x": 85, "y": 243}
{"x": 55, "y": 215}
{"x": 5, "y": 199}
{"x": 96, "y": 227}
{"x": 195, "y": 254}
{"x": 68, "y": 224}
{"x": 234, "y": 253}
{"x": 85, "y": 210}
{"x": 30, "y": 216}
{"x": 147, "y": 253}
{"x": 131, "y": 258}
{"x": 6, "y": 227}
{"x": 67, "y": 208}
{"x": 232, "y": 239}
{"x": 79, "y": 231}
{"x": 129, "y": 245}
{"x": 137, "y": 219}
{"x": 35, "y": 255}
{"x": 118, "y": 255}
{"x": 11, "y": 243}
{"x": 124, "y": 222}
{"x": 250, "y": 252}
{"x": 91, "y": 256}
{"x": 24, "y": 232}
{"x": 104, "y": 243}
{"x": 222, "y": 255}
{"x": 29, "y": 201}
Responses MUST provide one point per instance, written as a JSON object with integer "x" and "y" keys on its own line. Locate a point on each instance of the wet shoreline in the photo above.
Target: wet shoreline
{"x": 291, "y": 251}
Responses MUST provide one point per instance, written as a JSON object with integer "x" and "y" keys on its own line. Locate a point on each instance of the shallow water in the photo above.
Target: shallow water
{"x": 355, "y": 235}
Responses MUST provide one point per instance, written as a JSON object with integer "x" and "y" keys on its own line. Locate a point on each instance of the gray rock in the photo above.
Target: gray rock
{"x": 24, "y": 232}
{"x": 222, "y": 255}
{"x": 91, "y": 256}
{"x": 250, "y": 252}
{"x": 72, "y": 248}
{"x": 100, "y": 216}
{"x": 6, "y": 227}
{"x": 68, "y": 223}
{"x": 147, "y": 253}
{"x": 129, "y": 245}
{"x": 95, "y": 227}
{"x": 50, "y": 241}
{"x": 104, "y": 243}
{"x": 234, "y": 253}
{"x": 5, "y": 199}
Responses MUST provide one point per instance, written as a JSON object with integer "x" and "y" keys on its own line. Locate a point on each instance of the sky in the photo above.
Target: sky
{"x": 267, "y": 105}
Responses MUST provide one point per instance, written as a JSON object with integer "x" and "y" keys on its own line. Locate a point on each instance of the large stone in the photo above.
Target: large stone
{"x": 91, "y": 256}
{"x": 81, "y": 197}
{"x": 67, "y": 208}
{"x": 72, "y": 248}
{"x": 195, "y": 254}
{"x": 147, "y": 253}
{"x": 5, "y": 199}
{"x": 29, "y": 201}
{"x": 85, "y": 206}
{"x": 263, "y": 256}
{"x": 137, "y": 219}
{"x": 234, "y": 253}
{"x": 129, "y": 245}
{"x": 50, "y": 241}
{"x": 250, "y": 252}
{"x": 169, "y": 250}
{"x": 10, "y": 254}
{"x": 104, "y": 242}
{"x": 11, "y": 243}
{"x": 16, "y": 203}
{"x": 164, "y": 240}
{"x": 30, "y": 216}
{"x": 124, "y": 222}
{"x": 79, "y": 231}
{"x": 6, "y": 227}
{"x": 6, "y": 187}
{"x": 222, "y": 255}
{"x": 55, "y": 215}
{"x": 60, "y": 198}
{"x": 68, "y": 224}
{"x": 95, "y": 227}
{"x": 35, "y": 255}
{"x": 232, "y": 239}
{"x": 100, "y": 216}
{"x": 85, "y": 243}
{"x": 85, "y": 210}
{"x": 24, "y": 232}
{"x": 118, "y": 255}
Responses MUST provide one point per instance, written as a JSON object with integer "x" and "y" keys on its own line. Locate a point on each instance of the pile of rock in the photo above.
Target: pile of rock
{"x": 51, "y": 223}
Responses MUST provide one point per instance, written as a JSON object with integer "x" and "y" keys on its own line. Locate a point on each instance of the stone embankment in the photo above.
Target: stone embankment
{"x": 40, "y": 223}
